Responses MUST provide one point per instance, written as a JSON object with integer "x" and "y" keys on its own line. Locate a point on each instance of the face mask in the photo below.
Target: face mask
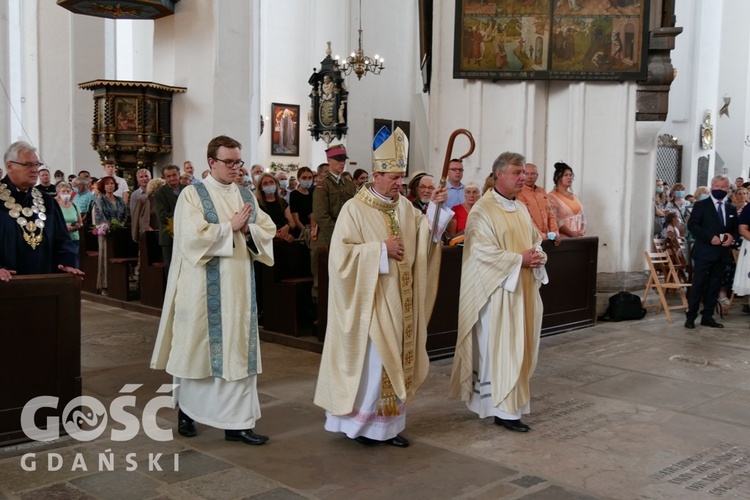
{"x": 719, "y": 194}
{"x": 76, "y": 190}
{"x": 704, "y": 196}
{"x": 246, "y": 179}
{"x": 65, "y": 197}
{"x": 256, "y": 178}
{"x": 306, "y": 184}
{"x": 659, "y": 190}
{"x": 58, "y": 179}
{"x": 270, "y": 189}
{"x": 284, "y": 183}
{"x": 679, "y": 194}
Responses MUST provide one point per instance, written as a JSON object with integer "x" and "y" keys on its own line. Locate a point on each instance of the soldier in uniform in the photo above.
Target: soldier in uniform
{"x": 329, "y": 196}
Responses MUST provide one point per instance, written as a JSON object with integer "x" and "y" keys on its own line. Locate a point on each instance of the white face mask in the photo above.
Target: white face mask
{"x": 270, "y": 189}
{"x": 65, "y": 197}
{"x": 283, "y": 183}
{"x": 306, "y": 184}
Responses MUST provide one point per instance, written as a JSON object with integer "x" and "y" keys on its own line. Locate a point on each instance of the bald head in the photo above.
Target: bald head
{"x": 532, "y": 174}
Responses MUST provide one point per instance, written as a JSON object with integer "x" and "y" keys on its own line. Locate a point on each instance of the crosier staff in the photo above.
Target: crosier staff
{"x": 444, "y": 175}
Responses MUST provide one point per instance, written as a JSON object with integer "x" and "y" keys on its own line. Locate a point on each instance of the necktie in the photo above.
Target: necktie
{"x": 721, "y": 213}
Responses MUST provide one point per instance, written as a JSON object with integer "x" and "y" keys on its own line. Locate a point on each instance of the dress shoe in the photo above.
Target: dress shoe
{"x": 690, "y": 323}
{"x": 512, "y": 425}
{"x": 711, "y": 323}
{"x": 185, "y": 425}
{"x": 247, "y": 436}
{"x": 399, "y": 441}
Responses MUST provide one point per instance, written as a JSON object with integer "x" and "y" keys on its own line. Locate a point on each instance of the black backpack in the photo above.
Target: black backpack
{"x": 623, "y": 306}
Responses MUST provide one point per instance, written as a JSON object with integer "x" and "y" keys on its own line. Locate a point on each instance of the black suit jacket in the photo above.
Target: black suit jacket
{"x": 704, "y": 225}
{"x": 165, "y": 201}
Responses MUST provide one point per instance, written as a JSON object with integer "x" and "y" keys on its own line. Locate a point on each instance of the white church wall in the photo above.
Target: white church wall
{"x": 734, "y": 75}
{"x": 6, "y": 111}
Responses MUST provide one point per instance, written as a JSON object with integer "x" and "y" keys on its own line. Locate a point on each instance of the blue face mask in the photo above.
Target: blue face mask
{"x": 283, "y": 183}
{"x": 306, "y": 184}
{"x": 270, "y": 189}
{"x": 679, "y": 194}
{"x": 704, "y": 196}
{"x": 659, "y": 190}
{"x": 76, "y": 190}
{"x": 246, "y": 179}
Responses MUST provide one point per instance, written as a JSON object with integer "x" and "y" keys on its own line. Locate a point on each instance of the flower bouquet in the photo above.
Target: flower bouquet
{"x": 105, "y": 227}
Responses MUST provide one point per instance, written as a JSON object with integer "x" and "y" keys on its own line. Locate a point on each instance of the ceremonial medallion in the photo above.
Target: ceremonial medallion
{"x": 14, "y": 213}
{"x": 27, "y": 212}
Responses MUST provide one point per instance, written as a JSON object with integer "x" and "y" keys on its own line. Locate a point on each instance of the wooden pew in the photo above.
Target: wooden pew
{"x": 88, "y": 253}
{"x": 41, "y": 354}
{"x": 286, "y": 289}
{"x": 122, "y": 255}
{"x": 151, "y": 270}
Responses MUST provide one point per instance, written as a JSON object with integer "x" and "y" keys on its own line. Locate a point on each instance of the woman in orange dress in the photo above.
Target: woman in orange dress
{"x": 565, "y": 205}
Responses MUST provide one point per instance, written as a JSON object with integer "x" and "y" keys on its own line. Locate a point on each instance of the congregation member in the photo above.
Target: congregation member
{"x": 412, "y": 187}
{"x": 360, "y": 177}
{"x": 85, "y": 174}
{"x": 329, "y": 196}
{"x": 381, "y": 294}
{"x": 254, "y": 178}
{"x": 59, "y": 176}
{"x": 741, "y": 282}
{"x": 208, "y": 332}
{"x": 739, "y": 199}
{"x": 123, "y": 191}
{"x": 537, "y": 203}
{"x": 84, "y": 197}
{"x": 571, "y": 220}
{"x": 293, "y": 183}
{"x": 462, "y": 210}
{"x": 301, "y": 204}
{"x": 142, "y": 178}
{"x": 108, "y": 208}
{"x": 713, "y": 225}
{"x": 73, "y": 221}
{"x": 456, "y": 193}
{"x": 165, "y": 199}
{"x": 144, "y": 217}
{"x": 275, "y": 206}
{"x": 500, "y": 309}
{"x": 660, "y": 207}
{"x": 31, "y": 242}
{"x": 188, "y": 169}
{"x": 45, "y": 185}
{"x": 283, "y": 182}
{"x": 680, "y": 206}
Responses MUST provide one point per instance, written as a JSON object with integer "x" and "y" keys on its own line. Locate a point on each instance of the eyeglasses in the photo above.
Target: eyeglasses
{"x": 231, "y": 163}
{"x": 28, "y": 164}
{"x": 456, "y": 169}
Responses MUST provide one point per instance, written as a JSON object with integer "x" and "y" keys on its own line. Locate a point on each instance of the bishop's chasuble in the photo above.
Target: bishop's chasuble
{"x": 500, "y": 310}
{"x": 375, "y": 357}
{"x": 208, "y": 333}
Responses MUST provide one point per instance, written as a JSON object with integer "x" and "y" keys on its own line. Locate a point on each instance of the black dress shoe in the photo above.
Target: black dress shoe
{"x": 711, "y": 323}
{"x": 512, "y": 425}
{"x": 690, "y": 323}
{"x": 247, "y": 436}
{"x": 185, "y": 425}
{"x": 399, "y": 441}
{"x": 366, "y": 441}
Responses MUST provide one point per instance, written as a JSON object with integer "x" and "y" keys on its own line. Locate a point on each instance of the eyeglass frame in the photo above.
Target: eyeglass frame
{"x": 231, "y": 163}
{"x": 27, "y": 164}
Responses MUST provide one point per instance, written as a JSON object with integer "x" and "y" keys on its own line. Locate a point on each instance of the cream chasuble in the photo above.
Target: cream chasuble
{"x": 497, "y": 232}
{"x": 208, "y": 326}
{"x": 390, "y": 310}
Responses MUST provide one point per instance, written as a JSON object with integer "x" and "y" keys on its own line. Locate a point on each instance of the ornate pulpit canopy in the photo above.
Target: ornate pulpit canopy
{"x": 119, "y": 9}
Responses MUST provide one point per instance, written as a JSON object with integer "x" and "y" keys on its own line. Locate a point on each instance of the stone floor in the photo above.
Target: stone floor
{"x": 642, "y": 409}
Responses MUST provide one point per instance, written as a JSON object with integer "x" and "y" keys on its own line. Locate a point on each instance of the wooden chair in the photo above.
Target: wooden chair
{"x": 663, "y": 277}
{"x": 675, "y": 251}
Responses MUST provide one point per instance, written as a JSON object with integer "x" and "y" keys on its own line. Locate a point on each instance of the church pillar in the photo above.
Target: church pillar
{"x": 5, "y": 107}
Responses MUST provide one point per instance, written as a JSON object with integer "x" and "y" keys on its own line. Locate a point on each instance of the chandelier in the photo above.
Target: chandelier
{"x": 358, "y": 62}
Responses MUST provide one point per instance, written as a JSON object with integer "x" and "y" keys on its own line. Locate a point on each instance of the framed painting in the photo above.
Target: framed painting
{"x": 126, "y": 114}
{"x": 551, "y": 39}
{"x": 285, "y": 136}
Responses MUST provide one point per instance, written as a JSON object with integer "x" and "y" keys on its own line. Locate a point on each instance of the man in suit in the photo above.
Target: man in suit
{"x": 713, "y": 223}
{"x": 166, "y": 200}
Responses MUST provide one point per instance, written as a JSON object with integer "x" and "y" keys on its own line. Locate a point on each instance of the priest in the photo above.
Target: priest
{"x": 382, "y": 289}
{"x": 500, "y": 310}
{"x": 33, "y": 235}
{"x": 208, "y": 333}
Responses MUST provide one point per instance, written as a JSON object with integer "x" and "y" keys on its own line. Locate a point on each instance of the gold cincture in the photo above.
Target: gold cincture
{"x": 20, "y": 214}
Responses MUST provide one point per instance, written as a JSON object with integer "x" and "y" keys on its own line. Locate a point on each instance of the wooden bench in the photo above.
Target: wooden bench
{"x": 88, "y": 254}
{"x": 122, "y": 256}
{"x": 152, "y": 280}
{"x": 286, "y": 289}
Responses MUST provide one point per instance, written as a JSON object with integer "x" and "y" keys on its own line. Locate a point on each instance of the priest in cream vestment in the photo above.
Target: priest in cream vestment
{"x": 208, "y": 334}
{"x": 382, "y": 289}
{"x": 500, "y": 310}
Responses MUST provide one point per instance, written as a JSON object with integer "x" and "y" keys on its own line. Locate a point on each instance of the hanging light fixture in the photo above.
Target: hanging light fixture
{"x": 358, "y": 62}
